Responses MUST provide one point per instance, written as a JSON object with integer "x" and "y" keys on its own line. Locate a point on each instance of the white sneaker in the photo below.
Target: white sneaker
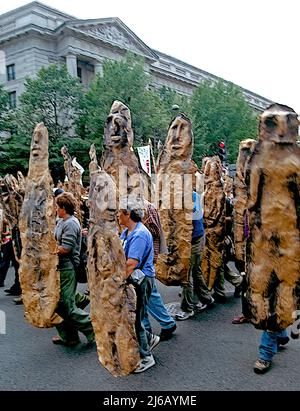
{"x": 144, "y": 364}
{"x": 155, "y": 339}
{"x": 199, "y": 306}
{"x": 184, "y": 315}
{"x": 18, "y": 300}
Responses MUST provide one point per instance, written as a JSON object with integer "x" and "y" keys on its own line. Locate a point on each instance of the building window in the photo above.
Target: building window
{"x": 79, "y": 74}
{"x": 13, "y": 99}
{"x": 11, "y": 72}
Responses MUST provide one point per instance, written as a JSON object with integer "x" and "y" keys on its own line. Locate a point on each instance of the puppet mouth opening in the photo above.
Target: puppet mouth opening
{"x": 35, "y": 152}
{"x": 115, "y": 139}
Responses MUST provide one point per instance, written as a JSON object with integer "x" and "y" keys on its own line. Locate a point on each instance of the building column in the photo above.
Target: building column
{"x": 71, "y": 61}
{"x": 98, "y": 68}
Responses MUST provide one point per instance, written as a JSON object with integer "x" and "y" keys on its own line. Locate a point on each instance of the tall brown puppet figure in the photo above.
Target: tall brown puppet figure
{"x": 240, "y": 222}
{"x": 38, "y": 268}
{"x": 113, "y": 301}
{"x": 174, "y": 200}
{"x": 273, "y": 247}
{"x": 118, "y": 158}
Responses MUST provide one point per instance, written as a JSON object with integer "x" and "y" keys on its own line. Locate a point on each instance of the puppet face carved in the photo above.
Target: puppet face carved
{"x": 39, "y": 142}
{"x": 245, "y": 149}
{"x": 278, "y": 124}
{"x": 92, "y": 153}
{"x": 104, "y": 196}
{"x": 247, "y": 144}
{"x": 117, "y": 129}
{"x": 180, "y": 138}
{"x": 213, "y": 169}
{"x": 65, "y": 153}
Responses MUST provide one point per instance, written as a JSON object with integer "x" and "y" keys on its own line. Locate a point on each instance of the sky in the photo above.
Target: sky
{"x": 252, "y": 43}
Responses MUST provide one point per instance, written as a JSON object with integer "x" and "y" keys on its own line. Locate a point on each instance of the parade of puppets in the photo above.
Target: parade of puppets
{"x": 142, "y": 221}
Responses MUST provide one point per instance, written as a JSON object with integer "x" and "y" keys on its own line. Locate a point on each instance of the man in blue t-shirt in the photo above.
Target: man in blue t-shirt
{"x": 195, "y": 288}
{"x": 138, "y": 247}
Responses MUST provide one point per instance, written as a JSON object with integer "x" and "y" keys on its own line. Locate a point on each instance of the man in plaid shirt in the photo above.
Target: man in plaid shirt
{"x": 155, "y": 304}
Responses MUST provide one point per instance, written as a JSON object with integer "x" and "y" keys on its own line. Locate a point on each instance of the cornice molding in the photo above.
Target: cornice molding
{"x": 112, "y": 31}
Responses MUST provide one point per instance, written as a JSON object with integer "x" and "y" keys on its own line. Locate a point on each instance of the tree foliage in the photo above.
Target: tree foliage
{"x": 4, "y": 110}
{"x": 76, "y": 118}
{"x": 220, "y": 112}
{"x": 126, "y": 81}
{"x": 53, "y": 98}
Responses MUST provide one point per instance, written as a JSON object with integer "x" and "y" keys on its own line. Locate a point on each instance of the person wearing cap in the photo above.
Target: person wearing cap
{"x": 138, "y": 247}
{"x": 57, "y": 191}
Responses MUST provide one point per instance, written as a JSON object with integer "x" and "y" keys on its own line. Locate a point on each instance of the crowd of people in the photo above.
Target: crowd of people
{"x": 142, "y": 238}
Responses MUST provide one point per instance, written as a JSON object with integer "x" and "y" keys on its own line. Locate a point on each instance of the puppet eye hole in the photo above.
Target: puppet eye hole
{"x": 271, "y": 122}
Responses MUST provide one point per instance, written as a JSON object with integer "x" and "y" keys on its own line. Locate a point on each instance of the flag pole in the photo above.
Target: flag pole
{"x": 152, "y": 155}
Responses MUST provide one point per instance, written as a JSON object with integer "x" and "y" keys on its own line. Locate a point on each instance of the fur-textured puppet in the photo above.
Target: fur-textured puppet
{"x": 240, "y": 202}
{"x": 174, "y": 201}
{"x": 113, "y": 301}
{"x": 39, "y": 278}
{"x": 273, "y": 247}
{"x": 73, "y": 183}
{"x": 214, "y": 220}
{"x": 118, "y": 158}
{"x": 11, "y": 198}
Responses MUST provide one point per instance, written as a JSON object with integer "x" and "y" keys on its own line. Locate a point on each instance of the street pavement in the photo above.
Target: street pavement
{"x": 206, "y": 353}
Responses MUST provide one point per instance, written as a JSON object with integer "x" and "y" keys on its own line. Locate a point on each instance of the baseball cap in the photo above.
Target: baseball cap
{"x": 57, "y": 191}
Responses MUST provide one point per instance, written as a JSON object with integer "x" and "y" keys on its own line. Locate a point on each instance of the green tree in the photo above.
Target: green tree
{"x": 220, "y": 112}
{"x": 170, "y": 98}
{"x": 4, "y": 110}
{"x": 6, "y": 125}
{"x": 53, "y": 98}
{"x": 126, "y": 81}
{"x": 15, "y": 154}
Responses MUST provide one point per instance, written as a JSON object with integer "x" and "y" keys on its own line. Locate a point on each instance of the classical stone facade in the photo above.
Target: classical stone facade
{"x": 35, "y": 35}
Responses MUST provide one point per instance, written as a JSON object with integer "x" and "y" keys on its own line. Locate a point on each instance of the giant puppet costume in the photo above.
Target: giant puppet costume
{"x": 118, "y": 158}
{"x": 12, "y": 196}
{"x": 11, "y": 199}
{"x": 240, "y": 202}
{"x": 73, "y": 183}
{"x": 39, "y": 277}
{"x": 273, "y": 247}
{"x": 113, "y": 301}
{"x": 214, "y": 220}
{"x": 174, "y": 188}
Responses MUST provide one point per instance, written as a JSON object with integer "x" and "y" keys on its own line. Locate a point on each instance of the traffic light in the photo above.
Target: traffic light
{"x": 222, "y": 151}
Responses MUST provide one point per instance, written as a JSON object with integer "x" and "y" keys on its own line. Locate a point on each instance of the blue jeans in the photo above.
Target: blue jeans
{"x": 157, "y": 309}
{"x": 268, "y": 344}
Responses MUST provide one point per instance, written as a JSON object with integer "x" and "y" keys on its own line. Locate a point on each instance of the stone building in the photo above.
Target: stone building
{"x": 36, "y": 35}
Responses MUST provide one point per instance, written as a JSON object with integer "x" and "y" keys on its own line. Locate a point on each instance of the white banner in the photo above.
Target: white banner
{"x": 145, "y": 158}
{"x": 78, "y": 166}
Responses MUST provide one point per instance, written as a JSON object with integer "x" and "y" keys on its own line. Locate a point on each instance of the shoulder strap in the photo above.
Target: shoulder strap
{"x": 144, "y": 260}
